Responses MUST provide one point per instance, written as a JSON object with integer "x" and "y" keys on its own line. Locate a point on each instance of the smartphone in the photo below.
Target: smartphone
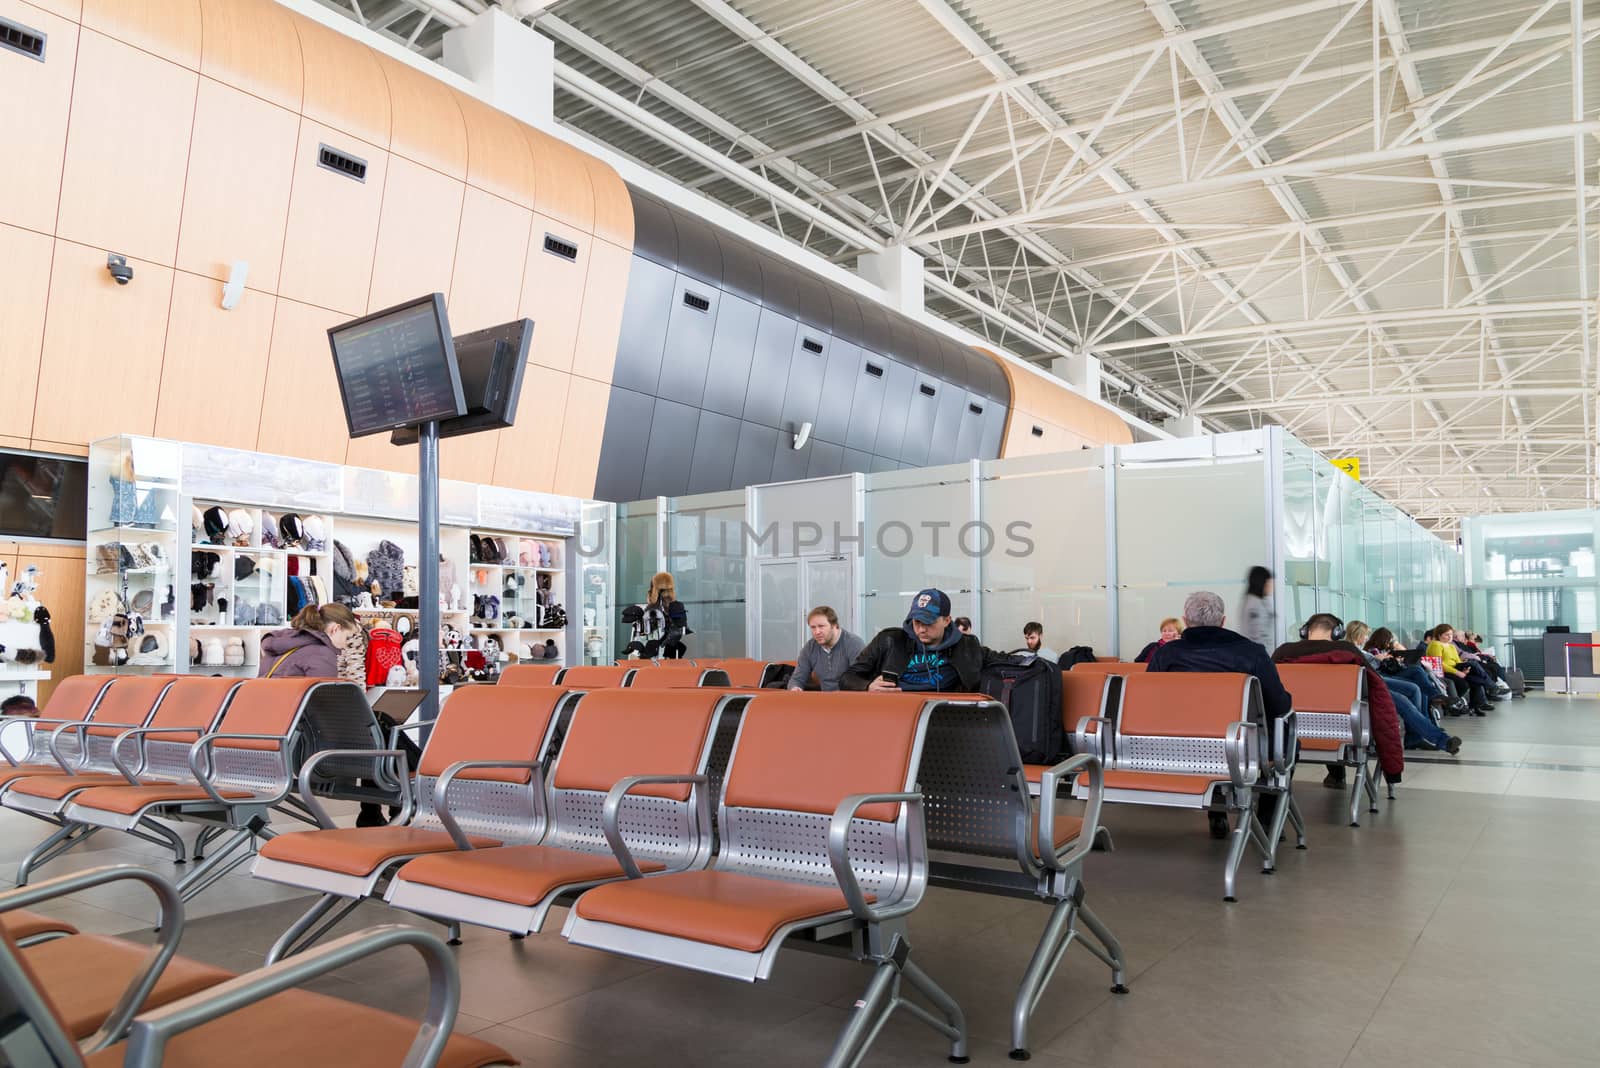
{"x": 892, "y": 677}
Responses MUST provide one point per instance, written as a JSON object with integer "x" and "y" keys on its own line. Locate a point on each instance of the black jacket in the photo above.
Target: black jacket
{"x": 893, "y": 648}
{"x": 1220, "y": 649}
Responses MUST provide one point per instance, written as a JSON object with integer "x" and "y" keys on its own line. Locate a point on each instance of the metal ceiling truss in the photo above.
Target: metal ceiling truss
{"x": 1375, "y": 241}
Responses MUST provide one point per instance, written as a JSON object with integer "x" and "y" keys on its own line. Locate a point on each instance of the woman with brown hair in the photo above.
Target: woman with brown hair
{"x": 660, "y": 624}
{"x": 309, "y": 646}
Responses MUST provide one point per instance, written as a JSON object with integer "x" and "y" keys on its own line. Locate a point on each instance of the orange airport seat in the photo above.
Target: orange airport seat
{"x": 529, "y": 675}
{"x": 613, "y": 736}
{"x": 73, "y": 701}
{"x": 818, "y": 838}
{"x": 664, "y": 678}
{"x": 596, "y": 676}
{"x": 478, "y": 785}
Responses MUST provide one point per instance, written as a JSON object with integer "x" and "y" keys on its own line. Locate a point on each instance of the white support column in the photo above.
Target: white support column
{"x": 898, "y": 271}
{"x": 1184, "y": 426}
{"x": 513, "y": 63}
{"x": 1080, "y": 371}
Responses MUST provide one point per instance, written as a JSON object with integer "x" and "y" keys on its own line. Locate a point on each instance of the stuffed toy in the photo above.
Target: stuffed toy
{"x": 47, "y": 637}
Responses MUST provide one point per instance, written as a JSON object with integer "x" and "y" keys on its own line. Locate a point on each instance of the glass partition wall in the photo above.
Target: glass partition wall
{"x": 1098, "y": 545}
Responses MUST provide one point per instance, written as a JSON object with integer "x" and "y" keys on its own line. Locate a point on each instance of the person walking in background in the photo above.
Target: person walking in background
{"x": 1171, "y": 631}
{"x": 1258, "y": 618}
{"x": 827, "y": 655}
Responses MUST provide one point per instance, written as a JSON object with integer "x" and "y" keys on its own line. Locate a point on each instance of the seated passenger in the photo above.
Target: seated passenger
{"x": 1171, "y": 630}
{"x": 1455, "y": 672}
{"x": 925, "y": 653}
{"x": 1482, "y": 669}
{"x": 829, "y": 653}
{"x": 1390, "y": 655}
{"x": 1207, "y": 646}
{"x": 1033, "y": 637}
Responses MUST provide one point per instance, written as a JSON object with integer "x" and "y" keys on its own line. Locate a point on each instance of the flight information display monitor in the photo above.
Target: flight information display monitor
{"x": 491, "y": 363}
{"x": 397, "y": 367}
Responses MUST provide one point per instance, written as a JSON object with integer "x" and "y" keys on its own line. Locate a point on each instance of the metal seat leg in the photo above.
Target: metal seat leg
{"x": 290, "y": 942}
{"x": 882, "y": 997}
{"x": 1299, "y": 821}
{"x": 1113, "y": 956}
{"x": 65, "y": 837}
{"x": 1059, "y": 932}
{"x": 1355, "y": 793}
{"x": 1371, "y": 788}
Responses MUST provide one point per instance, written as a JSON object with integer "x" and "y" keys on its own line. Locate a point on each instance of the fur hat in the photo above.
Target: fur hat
{"x": 290, "y": 530}
{"x": 197, "y": 522}
{"x": 316, "y": 533}
{"x": 150, "y": 650}
{"x": 240, "y": 526}
{"x": 216, "y": 524}
{"x": 269, "y": 531}
{"x": 104, "y": 606}
{"x": 212, "y": 654}
{"x": 233, "y": 655}
{"x": 144, "y": 602}
{"x": 243, "y": 567}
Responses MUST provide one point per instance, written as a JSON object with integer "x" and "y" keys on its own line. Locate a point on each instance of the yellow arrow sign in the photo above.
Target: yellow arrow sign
{"x": 1350, "y": 465}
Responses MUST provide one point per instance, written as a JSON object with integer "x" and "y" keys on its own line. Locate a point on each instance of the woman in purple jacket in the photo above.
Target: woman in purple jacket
{"x": 310, "y": 644}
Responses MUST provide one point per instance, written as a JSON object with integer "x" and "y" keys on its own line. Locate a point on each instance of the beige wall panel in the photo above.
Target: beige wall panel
{"x": 486, "y": 287}
{"x": 415, "y": 254}
{"x": 585, "y": 425}
{"x": 67, "y": 9}
{"x": 251, "y": 45}
{"x": 344, "y": 86}
{"x": 416, "y": 247}
{"x": 34, "y": 98}
{"x": 102, "y": 348}
{"x": 333, "y": 225}
{"x": 9, "y": 442}
{"x": 529, "y": 451}
{"x": 601, "y": 323}
{"x": 65, "y": 448}
{"x": 427, "y": 127}
{"x": 613, "y": 207}
{"x": 215, "y": 366}
{"x": 236, "y": 204}
{"x": 24, "y": 287}
{"x": 562, "y": 179}
{"x": 498, "y": 159}
{"x": 127, "y": 149}
{"x": 167, "y": 28}
{"x": 301, "y": 413}
{"x": 61, "y": 587}
{"x": 552, "y": 293}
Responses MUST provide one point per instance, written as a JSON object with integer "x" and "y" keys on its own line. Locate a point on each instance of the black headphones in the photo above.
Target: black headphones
{"x": 1338, "y": 627}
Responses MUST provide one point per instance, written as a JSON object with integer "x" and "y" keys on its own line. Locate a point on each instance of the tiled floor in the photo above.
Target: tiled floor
{"x": 1456, "y": 926}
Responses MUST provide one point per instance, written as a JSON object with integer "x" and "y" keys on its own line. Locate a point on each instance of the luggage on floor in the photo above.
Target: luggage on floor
{"x": 1030, "y": 688}
{"x": 1517, "y": 682}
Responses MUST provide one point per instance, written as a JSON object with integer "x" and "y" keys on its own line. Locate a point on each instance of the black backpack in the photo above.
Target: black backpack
{"x": 1030, "y": 689}
{"x": 1078, "y": 654}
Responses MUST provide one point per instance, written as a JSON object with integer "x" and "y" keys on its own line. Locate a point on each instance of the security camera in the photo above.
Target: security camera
{"x": 118, "y": 266}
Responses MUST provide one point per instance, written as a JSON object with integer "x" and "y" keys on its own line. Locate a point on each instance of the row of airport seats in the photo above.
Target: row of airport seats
{"x": 1200, "y": 741}
{"x": 708, "y": 829}
{"x": 655, "y": 674}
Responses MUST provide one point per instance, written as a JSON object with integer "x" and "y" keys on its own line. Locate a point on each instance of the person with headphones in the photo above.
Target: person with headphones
{"x": 1322, "y": 642}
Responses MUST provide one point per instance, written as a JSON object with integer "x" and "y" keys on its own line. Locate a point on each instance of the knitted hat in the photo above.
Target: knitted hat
{"x": 211, "y": 653}
{"x": 233, "y": 655}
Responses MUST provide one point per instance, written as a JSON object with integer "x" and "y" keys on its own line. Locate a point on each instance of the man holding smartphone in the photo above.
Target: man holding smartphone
{"x": 926, "y": 653}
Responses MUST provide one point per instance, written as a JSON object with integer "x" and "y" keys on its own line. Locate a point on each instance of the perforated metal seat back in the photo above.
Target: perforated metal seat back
{"x": 74, "y": 700}
{"x": 266, "y": 707}
{"x": 513, "y": 724}
{"x": 1324, "y": 696}
{"x": 125, "y": 704}
{"x": 194, "y": 702}
{"x": 1177, "y": 722}
{"x": 617, "y": 733}
{"x": 337, "y": 716}
{"x": 970, "y": 775}
{"x": 796, "y": 758}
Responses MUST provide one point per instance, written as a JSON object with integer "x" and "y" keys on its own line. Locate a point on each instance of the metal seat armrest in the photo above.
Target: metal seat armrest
{"x": 1243, "y": 750}
{"x": 839, "y": 849}
{"x": 80, "y": 727}
{"x": 1285, "y": 737}
{"x": 309, "y": 798}
{"x": 202, "y": 775}
{"x": 32, "y": 721}
{"x": 169, "y": 925}
{"x": 141, "y": 733}
{"x": 150, "y": 1033}
{"x": 1101, "y": 744}
{"x": 400, "y": 728}
{"x": 611, "y": 814}
{"x": 441, "y": 791}
{"x": 1049, "y": 855}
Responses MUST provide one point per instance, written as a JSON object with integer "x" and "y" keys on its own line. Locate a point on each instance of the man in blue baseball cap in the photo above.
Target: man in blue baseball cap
{"x": 925, "y": 653}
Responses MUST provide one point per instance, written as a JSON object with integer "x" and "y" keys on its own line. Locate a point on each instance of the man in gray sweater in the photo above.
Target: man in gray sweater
{"x": 828, "y": 654}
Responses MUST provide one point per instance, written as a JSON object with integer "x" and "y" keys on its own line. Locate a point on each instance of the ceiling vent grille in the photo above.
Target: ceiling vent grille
{"x": 874, "y": 370}
{"x": 812, "y": 345}
{"x": 341, "y": 163}
{"x": 557, "y": 247}
{"x": 16, "y": 37}
{"x": 696, "y": 301}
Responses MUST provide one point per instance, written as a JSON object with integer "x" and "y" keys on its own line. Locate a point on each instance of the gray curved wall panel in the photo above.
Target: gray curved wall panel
{"x": 726, "y": 351}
